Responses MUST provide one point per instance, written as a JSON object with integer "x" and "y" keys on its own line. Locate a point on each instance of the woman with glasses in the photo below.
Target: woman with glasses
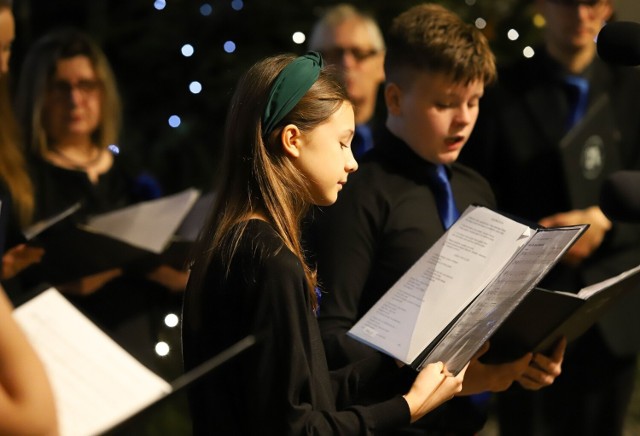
{"x": 69, "y": 111}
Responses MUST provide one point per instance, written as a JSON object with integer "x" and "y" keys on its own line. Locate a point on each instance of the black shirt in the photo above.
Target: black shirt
{"x": 282, "y": 385}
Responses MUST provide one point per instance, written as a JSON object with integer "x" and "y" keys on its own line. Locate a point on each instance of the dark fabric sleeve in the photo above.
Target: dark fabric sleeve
{"x": 297, "y": 357}
{"x": 345, "y": 236}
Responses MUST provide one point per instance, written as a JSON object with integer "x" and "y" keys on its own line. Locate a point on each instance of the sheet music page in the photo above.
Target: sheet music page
{"x": 148, "y": 225}
{"x": 588, "y": 291}
{"x": 502, "y": 295}
{"x": 441, "y": 283}
{"x": 96, "y": 383}
{"x": 42, "y": 225}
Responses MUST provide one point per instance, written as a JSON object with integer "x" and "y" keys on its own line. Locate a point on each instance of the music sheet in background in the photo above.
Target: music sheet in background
{"x": 96, "y": 383}
{"x": 148, "y": 225}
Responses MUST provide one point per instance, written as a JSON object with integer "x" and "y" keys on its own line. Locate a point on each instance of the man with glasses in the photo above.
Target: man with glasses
{"x": 352, "y": 41}
{"x": 526, "y": 144}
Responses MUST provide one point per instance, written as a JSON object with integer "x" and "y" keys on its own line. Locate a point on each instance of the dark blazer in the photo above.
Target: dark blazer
{"x": 515, "y": 145}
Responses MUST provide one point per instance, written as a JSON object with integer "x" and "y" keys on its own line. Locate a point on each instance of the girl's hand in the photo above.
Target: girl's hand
{"x": 433, "y": 386}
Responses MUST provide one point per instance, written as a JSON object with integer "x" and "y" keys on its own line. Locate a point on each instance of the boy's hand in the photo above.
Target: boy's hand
{"x": 599, "y": 225}
{"x": 483, "y": 377}
{"x": 544, "y": 370}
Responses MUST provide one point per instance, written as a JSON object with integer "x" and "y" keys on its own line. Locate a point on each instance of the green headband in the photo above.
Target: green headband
{"x": 290, "y": 86}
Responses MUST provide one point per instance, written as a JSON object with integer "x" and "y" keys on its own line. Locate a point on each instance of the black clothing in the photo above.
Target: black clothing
{"x": 58, "y": 188}
{"x": 282, "y": 385}
{"x": 12, "y": 233}
{"x": 515, "y": 145}
{"x": 385, "y": 218}
{"x": 130, "y": 308}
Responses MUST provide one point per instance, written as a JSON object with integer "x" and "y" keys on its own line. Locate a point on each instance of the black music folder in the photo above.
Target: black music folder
{"x": 459, "y": 292}
{"x": 590, "y": 153}
{"x": 544, "y": 316}
{"x": 130, "y": 238}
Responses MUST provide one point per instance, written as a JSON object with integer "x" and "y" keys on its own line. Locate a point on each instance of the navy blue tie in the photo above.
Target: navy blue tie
{"x": 362, "y": 140}
{"x": 444, "y": 196}
{"x": 578, "y": 88}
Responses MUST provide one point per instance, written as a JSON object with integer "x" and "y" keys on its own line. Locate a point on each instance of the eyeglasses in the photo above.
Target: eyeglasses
{"x": 336, "y": 54}
{"x": 62, "y": 88}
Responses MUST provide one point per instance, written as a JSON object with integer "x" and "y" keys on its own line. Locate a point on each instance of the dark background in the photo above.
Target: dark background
{"x": 143, "y": 45}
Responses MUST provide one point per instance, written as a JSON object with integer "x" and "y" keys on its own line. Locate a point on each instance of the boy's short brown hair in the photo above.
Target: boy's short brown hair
{"x": 429, "y": 37}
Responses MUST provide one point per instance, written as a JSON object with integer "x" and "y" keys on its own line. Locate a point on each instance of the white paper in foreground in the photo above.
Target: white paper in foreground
{"x": 96, "y": 383}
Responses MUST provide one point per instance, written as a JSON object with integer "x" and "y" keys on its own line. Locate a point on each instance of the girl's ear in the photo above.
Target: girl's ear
{"x": 392, "y": 98}
{"x": 291, "y": 138}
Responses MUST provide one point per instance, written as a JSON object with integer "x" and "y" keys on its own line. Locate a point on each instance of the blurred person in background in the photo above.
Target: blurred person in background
{"x": 537, "y": 105}
{"x": 69, "y": 111}
{"x": 352, "y": 41}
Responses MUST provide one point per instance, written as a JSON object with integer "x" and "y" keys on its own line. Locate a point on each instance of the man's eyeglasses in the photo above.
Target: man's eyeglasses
{"x": 62, "y": 88}
{"x": 336, "y": 54}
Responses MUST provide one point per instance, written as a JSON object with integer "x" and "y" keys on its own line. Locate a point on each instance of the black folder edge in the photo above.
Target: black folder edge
{"x": 582, "y": 314}
{"x": 187, "y": 379}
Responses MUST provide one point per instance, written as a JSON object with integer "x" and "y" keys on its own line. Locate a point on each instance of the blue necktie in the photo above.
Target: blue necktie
{"x": 362, "y": 140}
{"x": 444, "y": 196}
{"x": 578, "y": 88}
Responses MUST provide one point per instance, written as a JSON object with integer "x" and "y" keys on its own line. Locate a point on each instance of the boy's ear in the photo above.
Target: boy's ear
{"x": 392, "y": 98}
{"x": 291, "y": 138}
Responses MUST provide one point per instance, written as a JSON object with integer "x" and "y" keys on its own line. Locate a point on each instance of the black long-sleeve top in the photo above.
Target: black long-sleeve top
{"x": 282, "y": 385}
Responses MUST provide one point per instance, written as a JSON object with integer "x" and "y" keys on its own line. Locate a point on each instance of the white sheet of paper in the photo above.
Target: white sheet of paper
{"x": 441, "y": 283}
{"x": 148, "y": 225}
{"x": 96, "y": 383}
{"x": 588, "y": 291}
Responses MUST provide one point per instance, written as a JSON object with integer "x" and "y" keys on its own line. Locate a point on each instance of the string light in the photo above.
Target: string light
{"x": 237, "y": 5}
{"x": 187, "y": 50}
{"x": 206, "y": 9}
{"x": 229, "y": 46}
{"x": 171, "y": 320}
{"x": 114, "y": 148}
{"x": 195, "y": 87}
{"x": 481, "y": 23}
{"x": 159, "y": 4}
{"x": 528, "y": 52}
{"x": 539, "y": 21}
{"x": 299, "y": 37}
{"x": 174, "y": 121}
{"x": 162, "y": 349}
{"x": 513, "y": 34}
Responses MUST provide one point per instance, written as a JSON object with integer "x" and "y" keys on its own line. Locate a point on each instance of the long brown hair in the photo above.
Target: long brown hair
{"x": 13, "y": 169}
{"x": 256, "y": 176}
